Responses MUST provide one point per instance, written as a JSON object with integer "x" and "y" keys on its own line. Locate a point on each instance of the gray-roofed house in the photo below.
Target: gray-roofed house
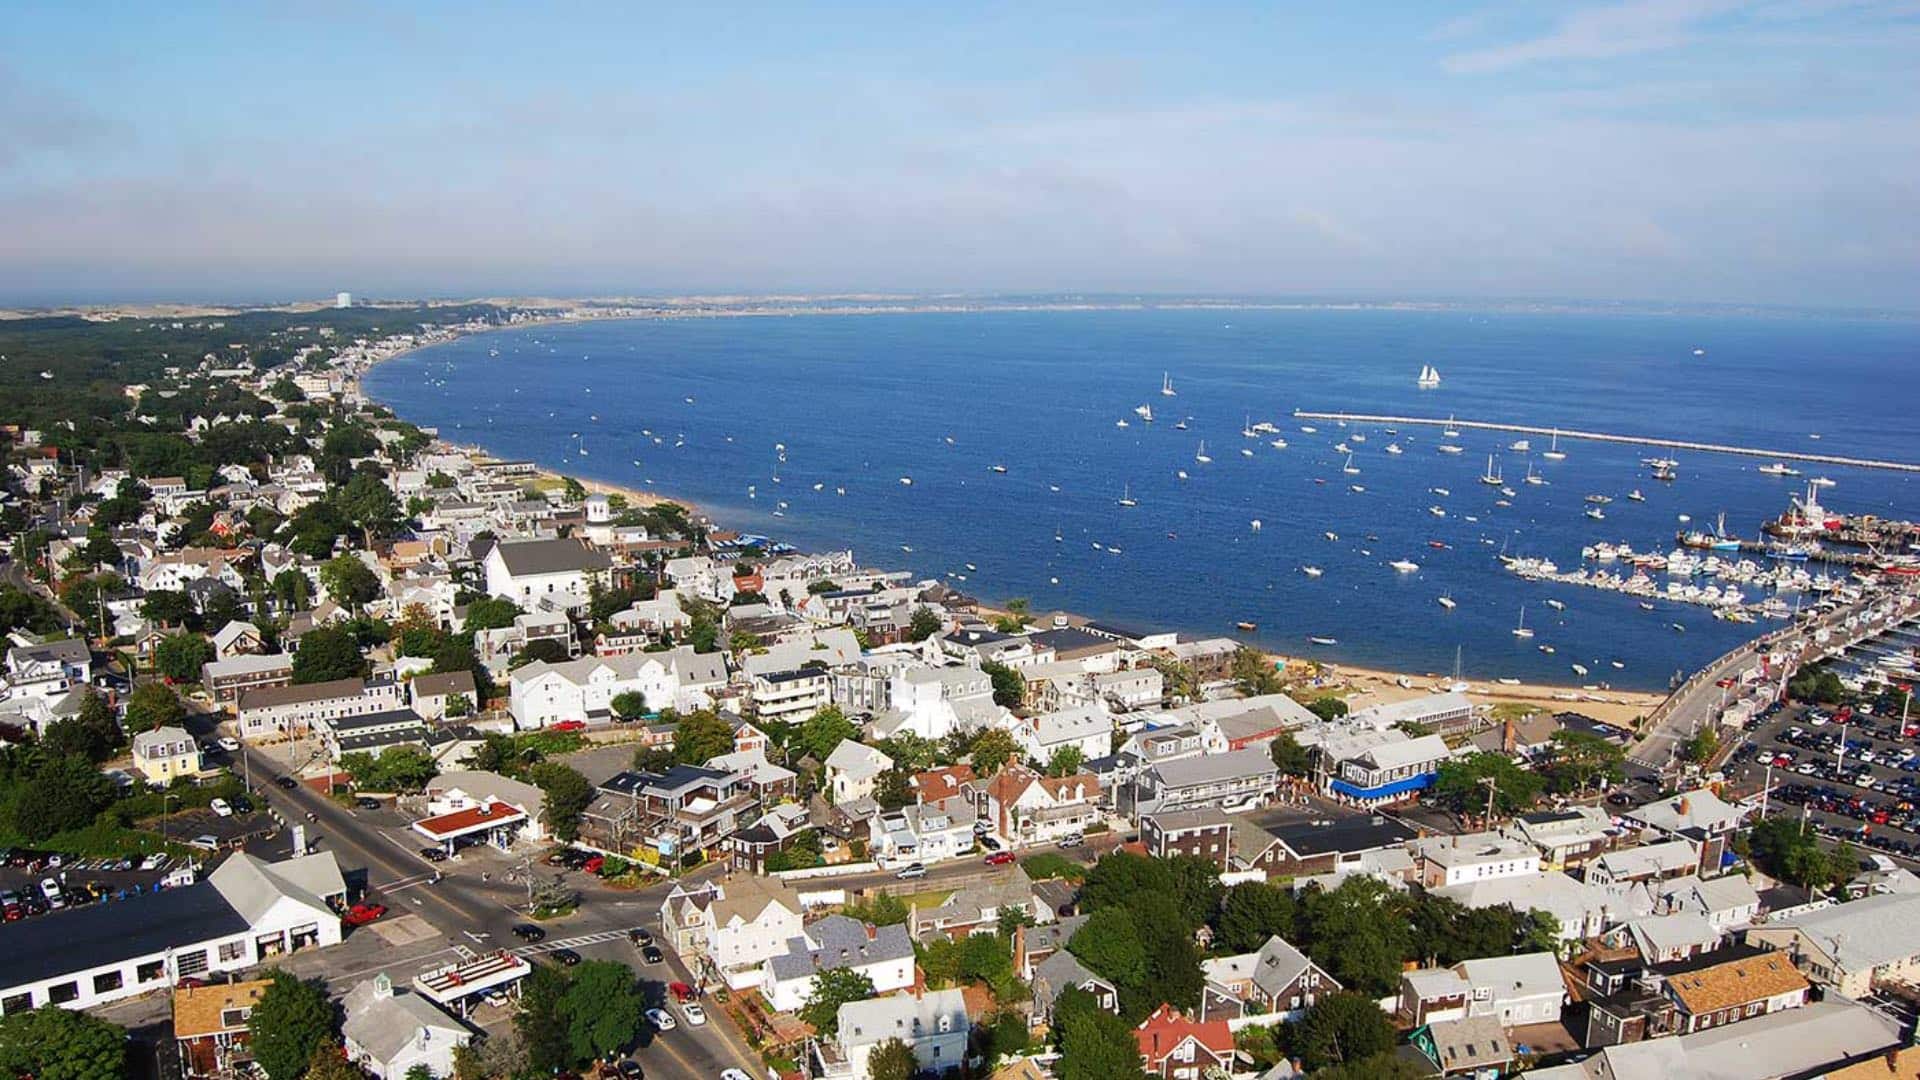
{"x": 1063, "y": 971}
{"x": 977, "y": 906}
{"x": 1232, "y": 781}
{"x": 555, "y": 572}
{"x": 387, "y": 1033}
{"x": 434, "y": 694}
{"x": 1278, "y": 977}
{"x": 1850, "y": 948}
{"x": 882, "y": 953}
{"x": 933, "y": 1025}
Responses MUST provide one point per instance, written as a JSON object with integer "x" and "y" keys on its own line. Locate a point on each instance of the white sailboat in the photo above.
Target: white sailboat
{"x": 1166, "y": 384}
{"x": 1447, "y": 601}
{"x": 1450, "y": 431}
{"x": 1429, "y": 377}
{"x": 1350, "y": 468}
{"x": 1126, "y": 496}
{"x": 1144, "y": 412}
{"x": 1553, "y": 451}
{"x": 1491, "y": 478}
{"x": 1201, "y": 454}
{"x": 1521, "y": 631}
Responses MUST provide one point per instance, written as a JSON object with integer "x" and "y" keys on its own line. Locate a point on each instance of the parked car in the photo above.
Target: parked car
{"x": 652, "y": 954}
{"x": 912, "y": 870}
{"x": 661, "y": 1019}
{"x": 365, "y": 803}
{"x": 639, "y": 936}
{"x": 1000, "y": 858}
{"x": 692, "y": 1013}
{"x": 50, "y": 889}
{"x": 230, "y": 744}
{"x": 630, "y": 1070}
{"x": 568, "y": 725}
{"x": 529, "y": 932}
{"x": 566, "y": 956}
{"x": 205, "y": 843}
{"x": 989, "y": 842}
{"x": 287, "y": 782}
{"x": 681, "y": 991}
{"x": 594, "y": 865}
{"x": 1072, "y": 840}
{"x": 363, "y": 913}
{"x": 434, "y": 854}
{"x": 153, "y": 862}
{"x": 221, "y": 807}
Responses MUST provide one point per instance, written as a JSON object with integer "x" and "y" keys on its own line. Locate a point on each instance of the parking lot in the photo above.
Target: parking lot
{"x": 1854, "y": 774}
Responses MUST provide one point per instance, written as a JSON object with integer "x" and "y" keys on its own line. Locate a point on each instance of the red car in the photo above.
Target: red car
{"x": 593, "y": 865}
{"x": 568, "y": 725}
{"x": 681, "y": 991}
{"x": 1000, "y": 858}
{"x": 362, "y": 914}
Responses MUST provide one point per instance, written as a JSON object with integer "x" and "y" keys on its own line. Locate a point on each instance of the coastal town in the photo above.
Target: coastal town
{"x": 336, "y": 747}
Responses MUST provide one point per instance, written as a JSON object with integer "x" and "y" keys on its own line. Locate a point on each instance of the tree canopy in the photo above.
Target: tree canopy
{"x": 53, "y": 1043}
{"x": 833, "y": 988}
{"x": 290, "y": 1021}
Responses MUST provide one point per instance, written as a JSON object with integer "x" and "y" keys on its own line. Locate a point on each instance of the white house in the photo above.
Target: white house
{"x": 736, "y": 927}
{"x": 852, "y": 769}
{"x": 540, "y": 693}
{"x": 1455, "y": 860}
{"x": 555, "y": 572}
{"x": 923, "y": 833}
{"x": 1026, "y": 808}
{"x": 388, "y": 1033}
{"x": 933, "y": 1025}
{"x": 934, "y": 702}
{"x": 1519, "y": 990}
{"x": 881, "y": 953}
{"x": 1088, "y": 729}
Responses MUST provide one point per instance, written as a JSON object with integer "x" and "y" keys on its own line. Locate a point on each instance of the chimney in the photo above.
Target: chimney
{"x": 1508, "y": 740}
{"x": 873, "y": 932}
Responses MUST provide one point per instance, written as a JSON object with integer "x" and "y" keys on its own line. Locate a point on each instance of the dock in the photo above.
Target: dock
{"x": 1608, "y": 437}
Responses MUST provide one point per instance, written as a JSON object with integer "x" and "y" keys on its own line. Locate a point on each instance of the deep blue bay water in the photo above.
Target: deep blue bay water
{"x": 860, "y": 401}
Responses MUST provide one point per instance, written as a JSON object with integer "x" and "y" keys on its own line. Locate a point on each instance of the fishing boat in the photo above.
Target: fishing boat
{"x": 1394, "y": 448}
{"x": 1596, "y": 513}
{"x": 1436, "y": 511}
{"x": 1121, "y": 423}
{"x": 1521, "y": 630}
{"x": 1520, "y": 446}
{"x": 1312, "y": 571}
{"x": 1491, "y": 477}
{"x": 1507, "y": 491}
{"x": 1360, "y": 436}
{"x": 997, "y": 468}
{"x": 1778, "y": 468}
{"x": 1553, "y": 451}
{"x": 1200, "y": 455}
{"x": 1580, "y": 670}
{"x": 1557, "y": 605}
{"x": 1405, "y": 566}
{"x": 1180, "y": 473}
{"x": 1342, "y": 448}
{"x": 1357, "y": 489}
{"x": 1245, "y": 627}
{"x": 1308, "y": 429}
{"x": 1331, "y": 535}
{"x": 1635, "y": 496}
{"x": 1126, "y": 496}
{"x": 1449, "y": 448}
{"x": 1166, "y": 384}
{"x": 1317, "y": 640}
{"x": 1448, "y": 602}
{"x": 1678, "y": 628}
{"x": 1254, "y": 524}
{"x": 1442, "y": 492}
{"x": 1664, "y": 473}
{"x": 1279, "y": 444}
{"x": 1246, "y": 451}
{"x": 1548, "y": 649}
{"x": 1599, "y": 500}
{"x": 1429, "y": 377}
{"x": 906, "y": 481}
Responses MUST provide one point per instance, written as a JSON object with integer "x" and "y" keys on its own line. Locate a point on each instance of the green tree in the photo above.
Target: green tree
{"x": 289, "y": 1022}
{"x": 822, "y": 732}
{"x": 1111, "y": 945}
{"x": 56, "y": 794}
{"x": 92, "y": 733}
{"x": 566, "y": 796}
{"x": 1463, "y": 784}
{"x": 1581, "y": 759}
{"x": 833, "y": 988}
{"x": 327, "y": 653}
{"x": 1327, "y": 707}
{"x": 348, "y": 581}
{"x": 329, "y": 1062}
{"x": 52, "y": 1043}
{"x": 910, "y": 752}
{"x": 1066, "y": 761}
{"x": 1702, "y": 746}
{"x": 892, "y": 790}
{"x": 1360, "y": 933}
{"x": 602, "y": 1008}
{"x": 541, "y": 1023}
{"x": 1094, "y": 1044}
{"x": 1289, "y": 756}
{"x": 292, "y": 591}
{"x": 1342, "y": 1028}
{"x": 1254, "y": 672}
{"x": 1252, "y": 912}
{"x": 420, "y": 1071}
{"x": 366, "y": 502}
{"x": 168, "y": 607}
{"x": 630, "y": 705}
{"x": 1387, "y": 1065}
{"x": 179, "y": 656}
{"x": 881, "y": 909}
{"x": 153, "y": 705}
{"x": 402, "y": 769}
{"x": 1009, "y": 686}
{"x": 1789, "y": 849}
{"x": 892, "y": 1060}
{"x": 923, "y": 624}
{"x": 702, "y": 736}
{"x": 991, "y": 750}
{"x": 490, "y": 613}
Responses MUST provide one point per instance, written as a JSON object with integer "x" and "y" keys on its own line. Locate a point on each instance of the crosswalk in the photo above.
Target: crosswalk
{"x": 572, "y": 942}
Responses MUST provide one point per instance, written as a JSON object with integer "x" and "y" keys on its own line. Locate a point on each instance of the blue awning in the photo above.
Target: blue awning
{"x": 1383, "y": 791}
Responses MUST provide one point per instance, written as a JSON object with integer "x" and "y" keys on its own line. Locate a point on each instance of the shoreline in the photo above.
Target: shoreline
{"x": 1372, "y": 685}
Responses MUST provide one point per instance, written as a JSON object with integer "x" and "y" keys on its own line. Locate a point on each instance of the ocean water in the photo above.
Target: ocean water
{"x": 861, "y": 401}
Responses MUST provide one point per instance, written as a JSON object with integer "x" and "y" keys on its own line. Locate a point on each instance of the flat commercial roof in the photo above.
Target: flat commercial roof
{"x": 473, "y": 819}
{"x": 79, "y": 938}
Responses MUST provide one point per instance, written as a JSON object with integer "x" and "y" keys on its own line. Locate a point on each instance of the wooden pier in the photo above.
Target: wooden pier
{"x": 1631, "y": 440}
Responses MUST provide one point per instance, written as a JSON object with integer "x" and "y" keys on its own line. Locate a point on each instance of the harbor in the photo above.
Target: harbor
{"x": 1609, "y": 437}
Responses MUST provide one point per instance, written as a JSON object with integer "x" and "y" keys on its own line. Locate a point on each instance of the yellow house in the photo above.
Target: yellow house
{"x": 164, "y": 753}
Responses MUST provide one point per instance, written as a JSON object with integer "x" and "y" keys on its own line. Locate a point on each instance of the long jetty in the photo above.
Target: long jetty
{"x": 1608, "y": 437}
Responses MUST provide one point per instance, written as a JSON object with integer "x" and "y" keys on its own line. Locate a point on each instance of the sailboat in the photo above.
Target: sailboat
{"x": 1450, "y": 431}
{"x": 1534, "y": 477}
{"x": 1144, "y": 412}
{"x": 1429, "y": 377}
{"x": 1350, "y": 468}
{"x": 1553, "y": 451}
{"x": 1182, "y": 425}
{"x": 1490, "y": 477}
{"x": 1521, "y": 631}
{"x": 1201, "y": 455}
{"x": 1126, "y": 496}
{"x": 1246, "y": 428}
{"x": 1447, "y": 601}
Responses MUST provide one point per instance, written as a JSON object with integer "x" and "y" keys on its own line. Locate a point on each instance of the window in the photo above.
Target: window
{"x": 191, "y": 963}
{"x": 235, "y": 1018}
{"x": 16, "y": 1003}
{"x": 63, "y": 993}
{"x": 231, "y": 951}
{"x": 149, "y": 971}
{"x": 107, "y": 982}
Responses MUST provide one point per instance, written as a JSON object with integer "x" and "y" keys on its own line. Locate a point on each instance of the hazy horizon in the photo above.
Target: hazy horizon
{"x": 1679, "y": 152}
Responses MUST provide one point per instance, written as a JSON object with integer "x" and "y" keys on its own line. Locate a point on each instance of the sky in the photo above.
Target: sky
{"x": 1764, "y": 152}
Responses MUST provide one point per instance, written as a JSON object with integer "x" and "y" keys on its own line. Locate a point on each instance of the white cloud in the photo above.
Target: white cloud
{"x": 1598, "y": 33}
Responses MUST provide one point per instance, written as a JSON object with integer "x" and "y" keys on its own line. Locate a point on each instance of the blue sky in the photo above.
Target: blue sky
{"x": 1692, "y": 150}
